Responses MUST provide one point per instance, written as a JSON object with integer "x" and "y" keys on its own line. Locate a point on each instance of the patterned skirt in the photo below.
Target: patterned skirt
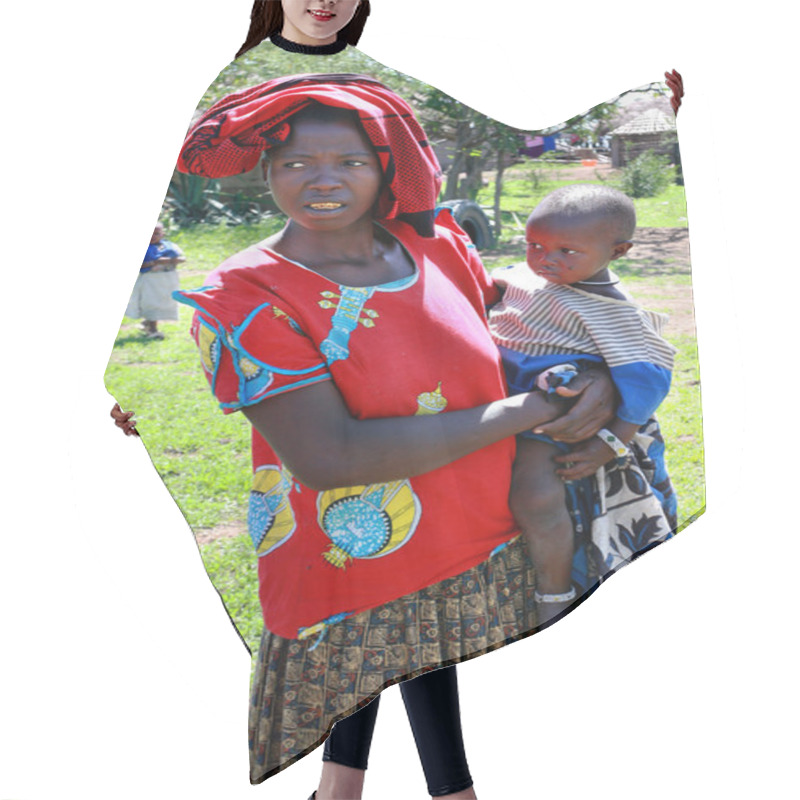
{"x": 301, "y": 688}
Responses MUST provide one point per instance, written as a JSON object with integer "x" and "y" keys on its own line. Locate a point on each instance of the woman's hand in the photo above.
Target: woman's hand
{"x": 124, "y": 420}
{"x": 674, "y": 81}
{"x": 584, "y": 459}
{"x": 593, "y": 409}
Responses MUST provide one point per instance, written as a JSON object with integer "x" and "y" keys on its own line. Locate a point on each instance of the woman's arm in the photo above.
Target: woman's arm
{"x": 315, "y": 435}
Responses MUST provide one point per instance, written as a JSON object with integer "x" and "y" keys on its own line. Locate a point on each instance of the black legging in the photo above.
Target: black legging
{"x": 432, "y": 707}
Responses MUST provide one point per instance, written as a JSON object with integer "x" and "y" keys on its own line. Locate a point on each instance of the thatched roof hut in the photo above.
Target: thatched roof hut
{"x": 652, "y": 130}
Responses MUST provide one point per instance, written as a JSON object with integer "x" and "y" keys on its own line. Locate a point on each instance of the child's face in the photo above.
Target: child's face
{"x": 316, "y": 22}
{"x": 563, "y": 250}
{"x": 158, "y": 234}
{"x": 327, "y": 176}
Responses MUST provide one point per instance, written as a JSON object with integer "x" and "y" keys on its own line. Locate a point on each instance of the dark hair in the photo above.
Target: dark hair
{"x": 588, "y": 199}
{"x": 266, "y": 19}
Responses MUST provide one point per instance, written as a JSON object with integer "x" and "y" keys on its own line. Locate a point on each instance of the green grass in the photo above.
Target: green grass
{"x": 666, "y": 210}
{"x": 233, "y": 570}
{"x": 204, "y": 456}
{"x": 207, "y": 246}
{"x": 520, "y": 197}
{"x": 681, "y": 421}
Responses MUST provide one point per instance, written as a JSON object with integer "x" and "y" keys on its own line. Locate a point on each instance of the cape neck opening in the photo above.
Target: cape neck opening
{"x": 308, "y": 49}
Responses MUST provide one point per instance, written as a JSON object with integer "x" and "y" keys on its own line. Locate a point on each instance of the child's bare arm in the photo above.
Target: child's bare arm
{"x": 624, "y": 431}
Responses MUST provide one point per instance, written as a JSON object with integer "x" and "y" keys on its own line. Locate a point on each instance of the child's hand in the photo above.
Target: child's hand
{"x": 557, "y": 379}
{"x": 584, "y": 459}
{"x": 594, "y": 408}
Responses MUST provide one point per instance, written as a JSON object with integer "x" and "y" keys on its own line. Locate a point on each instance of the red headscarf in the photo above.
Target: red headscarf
{"x": 230, "y": 137}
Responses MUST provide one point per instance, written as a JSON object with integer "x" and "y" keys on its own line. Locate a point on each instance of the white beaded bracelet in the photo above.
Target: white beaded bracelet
{"x": 565, "y": 597}
{"x": 616, "y": 444}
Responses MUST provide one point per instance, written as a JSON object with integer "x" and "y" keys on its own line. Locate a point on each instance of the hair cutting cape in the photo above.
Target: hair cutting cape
{"x": 231, "y": 136}
{"x": 359, "y": 587}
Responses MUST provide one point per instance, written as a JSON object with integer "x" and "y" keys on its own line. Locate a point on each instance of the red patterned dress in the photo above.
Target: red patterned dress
{"x": 362, "y": 586}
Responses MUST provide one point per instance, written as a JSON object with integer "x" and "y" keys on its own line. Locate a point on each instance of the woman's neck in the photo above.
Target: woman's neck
{"x": 308, "y": 49}
{"x": 354, "y": 244}
{"x": 361, "y": 255}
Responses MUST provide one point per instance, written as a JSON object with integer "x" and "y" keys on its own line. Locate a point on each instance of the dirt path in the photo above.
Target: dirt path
{"x": 660, "y": 251}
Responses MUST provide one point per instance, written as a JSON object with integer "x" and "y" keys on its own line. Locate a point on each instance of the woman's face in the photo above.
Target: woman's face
{"x": 316, "y": 22}
{"x": 327, "y": 176}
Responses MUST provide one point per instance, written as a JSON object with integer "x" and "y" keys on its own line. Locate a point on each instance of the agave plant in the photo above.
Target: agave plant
{"x": 192, "y": 199}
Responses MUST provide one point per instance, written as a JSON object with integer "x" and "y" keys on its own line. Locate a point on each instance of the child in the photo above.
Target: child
{"x": 158, "y": 279}
{"x": 565, "y": 306}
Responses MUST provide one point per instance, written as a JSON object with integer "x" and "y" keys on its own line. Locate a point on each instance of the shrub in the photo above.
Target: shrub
{"x": 647, "y": 176}
{"x": 192, "y": 200}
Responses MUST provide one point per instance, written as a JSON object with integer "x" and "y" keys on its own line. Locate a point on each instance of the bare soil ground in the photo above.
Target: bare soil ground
{"x": 226, "y": 530}
{"x": 661, "y": 251}
{"x": 580, "y": 173}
